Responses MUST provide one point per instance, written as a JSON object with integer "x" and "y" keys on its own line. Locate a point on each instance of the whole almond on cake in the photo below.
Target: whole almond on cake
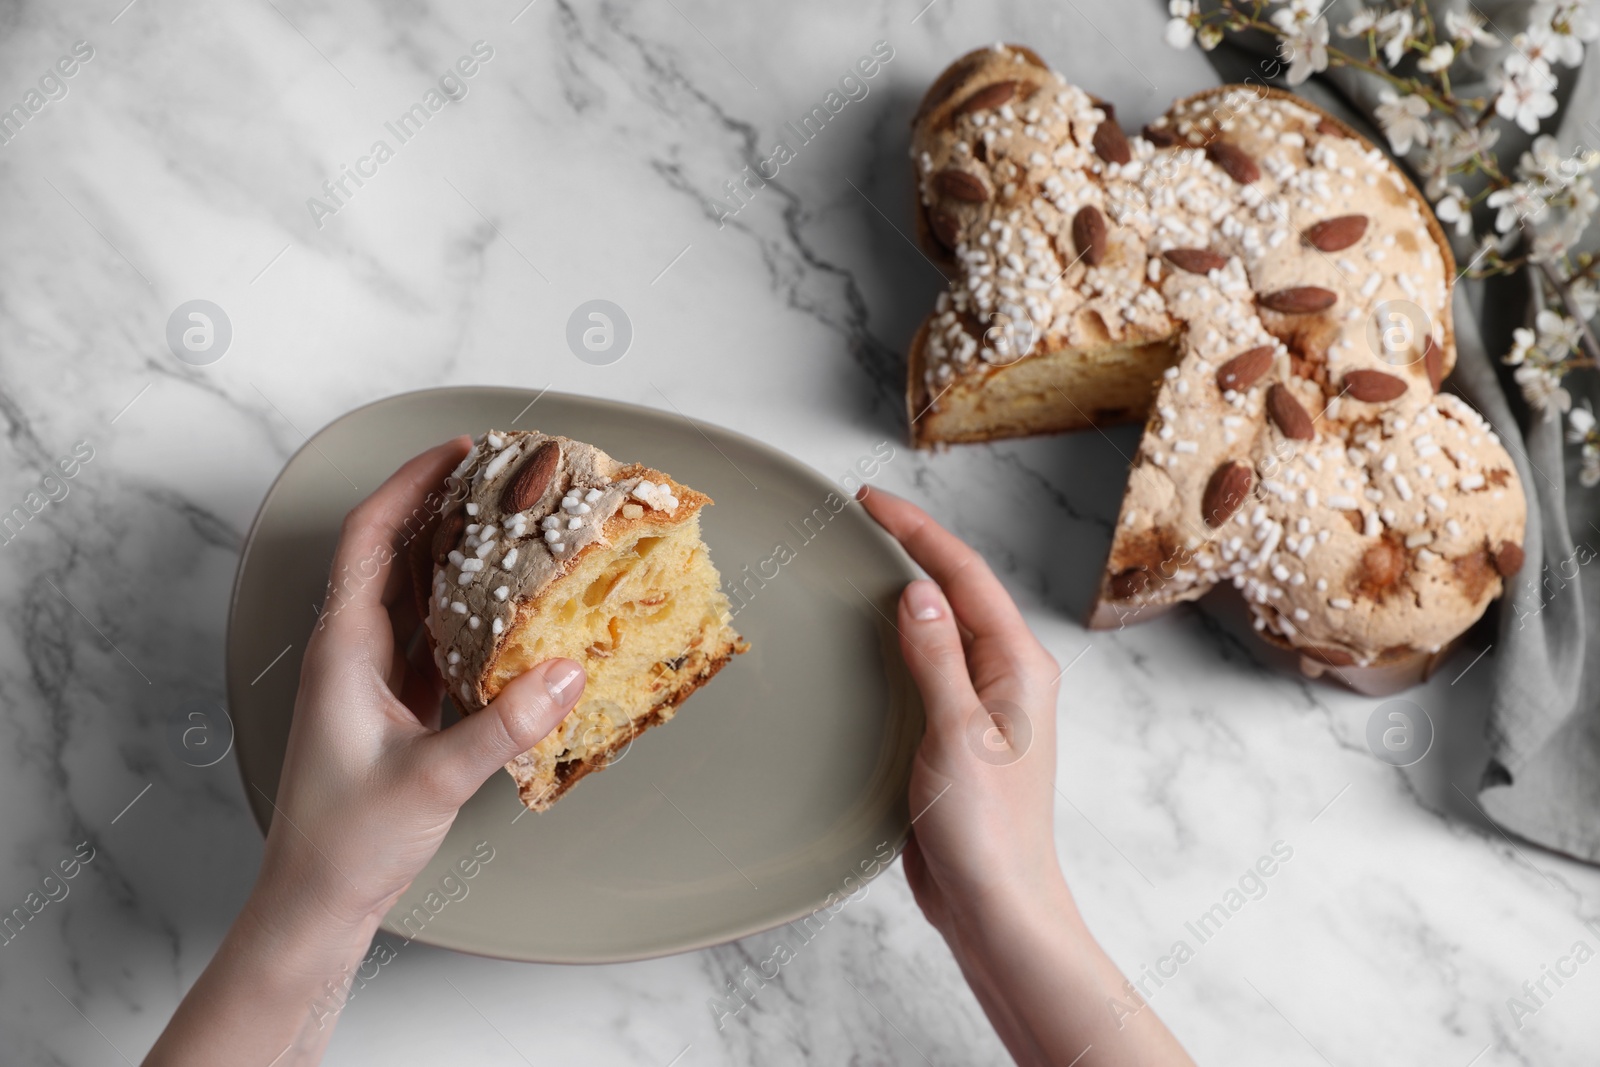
{"x": 556, "y": 549}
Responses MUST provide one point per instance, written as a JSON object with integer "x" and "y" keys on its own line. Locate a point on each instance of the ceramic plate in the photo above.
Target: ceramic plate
{"x": 778, "y": 784}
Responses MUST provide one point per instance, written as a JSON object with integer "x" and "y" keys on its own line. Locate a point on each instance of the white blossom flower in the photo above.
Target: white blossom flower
{"x": 1437, "y": 59}
{"x": 1517, "y": 202}
{"x": 1454, "y": 208}
{"x": 1304, "y": 43}
{"x": 1449, "y": 147}
{"x": 1363, "y": 20}
{"x": 1541, "y": 44}
{"x": 1522, "y": 343}
{"x": 1558, "y": 335}
{"x": 1468, "y": 28}
{"x": 1394, "y": 33}
{"x": 1589, "y": 473}
{"x": 1580, "y": 423}
{"x": 1527, "y": 92}
{"x": 1585, "y": 298}
{"x": 1584, "y": 200}
{"x": 1210, "y": 36}
{"x": 1542, "y": 389}
{"x": 1551, "y": 246}
{"x": 1180, "y": 31}
{"x": 1524, "y": 104}
{"x": 1574, "y": 18}
{"x": 1562, "y": 29}
{"x": 1473, "y": 141}
{"x": 1575, "y": 207}
{"x": 1402, "y": 119}
{"x": 1543, "y": 161}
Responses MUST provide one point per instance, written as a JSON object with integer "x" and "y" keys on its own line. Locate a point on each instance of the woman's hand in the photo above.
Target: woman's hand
{"x": 370, "y": 784}
{"x": 369, "y": 788}
{"x": 982, "y": 858}
{"x": 983, "y": 783}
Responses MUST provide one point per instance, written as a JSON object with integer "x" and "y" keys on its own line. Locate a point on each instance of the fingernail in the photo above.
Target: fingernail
{"x": 861, "y": 494}
{"x": 925, "y": 600}
{"x": 561, "y": 678}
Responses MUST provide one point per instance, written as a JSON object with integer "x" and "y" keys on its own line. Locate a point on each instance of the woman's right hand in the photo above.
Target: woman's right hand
{"x": 983, "y": 783}
{"x": 982, "y": 860}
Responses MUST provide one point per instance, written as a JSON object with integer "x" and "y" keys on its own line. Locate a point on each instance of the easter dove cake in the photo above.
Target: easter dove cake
{"x": 552, "y": 548}
{"x": 1272, "y": 296}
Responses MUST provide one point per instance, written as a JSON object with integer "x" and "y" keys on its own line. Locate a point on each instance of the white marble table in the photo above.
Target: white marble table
{"x": 588, "y": 160}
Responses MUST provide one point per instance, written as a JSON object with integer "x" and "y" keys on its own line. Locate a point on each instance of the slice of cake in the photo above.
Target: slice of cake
{"x": 551, "y": 548}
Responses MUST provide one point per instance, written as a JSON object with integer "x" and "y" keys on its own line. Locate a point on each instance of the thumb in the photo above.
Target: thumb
{"x": 527, "y": 709}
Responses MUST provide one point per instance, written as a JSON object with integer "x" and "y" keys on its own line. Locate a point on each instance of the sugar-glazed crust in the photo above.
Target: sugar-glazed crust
{"x": 494, "y": 554}
{"x": 1298, "y": 446}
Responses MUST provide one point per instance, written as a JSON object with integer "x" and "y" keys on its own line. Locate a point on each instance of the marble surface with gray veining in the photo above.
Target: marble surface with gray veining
{"x": 588, "y": 156}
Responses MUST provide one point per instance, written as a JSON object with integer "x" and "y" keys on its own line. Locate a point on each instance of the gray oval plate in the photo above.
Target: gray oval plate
{"x": 779, "y": 788}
